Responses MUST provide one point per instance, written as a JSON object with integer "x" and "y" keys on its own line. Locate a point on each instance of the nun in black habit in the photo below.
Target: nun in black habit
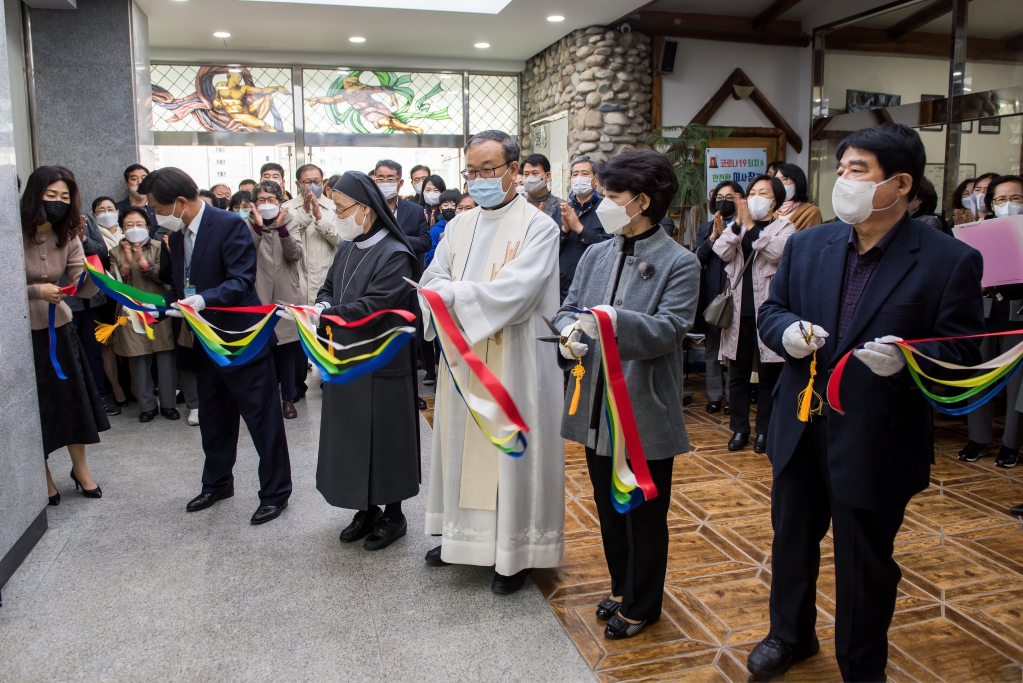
{"x": 369, "y": 430}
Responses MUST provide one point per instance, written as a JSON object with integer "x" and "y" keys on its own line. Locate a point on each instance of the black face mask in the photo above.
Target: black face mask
{"x": 447, "y": 213}
{"x": 726, "y": 207}
{"x": 55, "y": 211}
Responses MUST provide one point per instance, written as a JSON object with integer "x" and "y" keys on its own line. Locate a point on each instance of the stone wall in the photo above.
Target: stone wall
{"x": 602, "y": 78}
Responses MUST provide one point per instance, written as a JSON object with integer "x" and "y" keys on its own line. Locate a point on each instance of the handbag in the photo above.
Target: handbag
{"x": 719, "y": 312}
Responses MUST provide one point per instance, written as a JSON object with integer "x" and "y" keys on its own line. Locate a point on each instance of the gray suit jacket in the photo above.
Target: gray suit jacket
{"x": 654, "y": 314}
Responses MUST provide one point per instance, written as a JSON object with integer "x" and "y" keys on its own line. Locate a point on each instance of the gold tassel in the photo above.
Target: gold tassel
{"x": 578, "y": 372}
{"x": 330, "y": 336}
{"x": 806, "y": 396}
{"x": 105, "y": 332}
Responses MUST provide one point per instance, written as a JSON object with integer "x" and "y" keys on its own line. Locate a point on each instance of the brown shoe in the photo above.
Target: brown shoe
{"x": 289, "y": 410}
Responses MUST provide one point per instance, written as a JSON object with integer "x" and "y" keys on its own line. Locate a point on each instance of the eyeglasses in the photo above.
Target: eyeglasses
{"x": 307, "y": 183}
{"x": 483, "y": 172}
{"x": 266, "y": 200}
{"x": 1001, "y": 201}
{"x": 338, "y": 212}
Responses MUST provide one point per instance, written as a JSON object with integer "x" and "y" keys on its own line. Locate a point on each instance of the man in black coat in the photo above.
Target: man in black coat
{"x": 133, "y": 177}
{"x": 213, "y": 264}
{"x": 877, "y": 277}
{"x": 580, "y": 226}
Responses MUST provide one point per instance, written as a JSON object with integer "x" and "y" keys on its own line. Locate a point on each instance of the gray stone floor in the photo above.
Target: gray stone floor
{"x": 130, "y": 587}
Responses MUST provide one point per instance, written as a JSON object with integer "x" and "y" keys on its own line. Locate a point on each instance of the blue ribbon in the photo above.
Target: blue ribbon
{"x": 364, "y": 368}
{"x": 248, "y": 353}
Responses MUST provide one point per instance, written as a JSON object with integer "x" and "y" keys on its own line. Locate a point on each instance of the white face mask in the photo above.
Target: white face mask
{"x": 968, "y": 203}
{"x": 759, "y": 207}
{"x": 171, "y": 222}
{"x": 1008, "y": 209}
{"x": 582, "y": 186}
{"x": 418, "y": 187}
{"x": 137, "y": 235}
{"x": 269, "y": 211}
{"x": 348, "y": 228}
{"x": 390, "y": 190}
{"x": 613, "y": 217}
{"x": 790, "y": 191}
{"x": 520, "y": 190}
{"x": 853, "y": 200}
{"x": 534, "y": 184}
{"x": 107, "y": 220}
{"x": 431, "y": 198}
{"x": 981, "y": 200}
{"x": 133, "y": 190}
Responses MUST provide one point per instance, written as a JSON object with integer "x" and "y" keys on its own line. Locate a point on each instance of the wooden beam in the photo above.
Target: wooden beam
{"x": 918, "y": 43}
{"x": 656, "y": 87}
{"x": 1015, "y": 43}
{"x": 920, "y": 18}
{"x": 716, "y": 27}
{"x": 775, "y": 10}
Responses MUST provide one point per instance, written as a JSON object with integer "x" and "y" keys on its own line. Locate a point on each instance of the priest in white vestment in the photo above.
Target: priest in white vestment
{"x": 497, "y": 271}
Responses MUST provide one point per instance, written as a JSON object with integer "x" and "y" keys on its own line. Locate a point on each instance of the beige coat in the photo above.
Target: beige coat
{"x": 278, "y": 261}
{"x": 128, "y": 342}
{"x": 45, "y": 262}
{"x": 769, "y": 247}
{"x": 805, "y": 215}
{"x": 319, "y": 243}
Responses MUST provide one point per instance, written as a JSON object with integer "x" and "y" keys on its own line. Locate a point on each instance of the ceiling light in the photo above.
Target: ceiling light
{"x": 482, "y": 45}
{"x": 235, "y": 71}
{"x": 357, "y": 39}
{"x": 555, "y": 17}
{"x": 445, "y": 75}
{"x": 221, "y": 34}
{"x": 957, "y": 73}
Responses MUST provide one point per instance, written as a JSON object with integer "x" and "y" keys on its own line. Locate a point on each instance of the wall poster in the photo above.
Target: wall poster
{"x": 738, "y": 164}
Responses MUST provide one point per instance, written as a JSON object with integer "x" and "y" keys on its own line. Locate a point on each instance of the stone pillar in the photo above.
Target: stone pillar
{"x": 92, "y": 88}
{"x": 603, "y": 79}
{"x": 22, "y": 477}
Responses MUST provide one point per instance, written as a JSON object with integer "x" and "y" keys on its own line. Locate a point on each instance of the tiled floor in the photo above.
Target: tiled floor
{"x": 959, "y": 615}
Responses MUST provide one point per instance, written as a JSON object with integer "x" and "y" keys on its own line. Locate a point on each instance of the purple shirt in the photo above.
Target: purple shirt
{"x": 858, "y": 269}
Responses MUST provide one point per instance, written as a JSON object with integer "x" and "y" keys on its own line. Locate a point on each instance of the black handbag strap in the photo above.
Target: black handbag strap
{"x": 742, "y": 272}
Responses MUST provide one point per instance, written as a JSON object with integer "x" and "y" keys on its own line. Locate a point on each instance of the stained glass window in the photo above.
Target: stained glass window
{"x": 384, "y": 102}
{"x": 221, "y": 98}
{"x": 494, "y": 103}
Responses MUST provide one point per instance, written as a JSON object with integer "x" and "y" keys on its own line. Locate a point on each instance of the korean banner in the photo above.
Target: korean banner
{"x": 739, "y": 164}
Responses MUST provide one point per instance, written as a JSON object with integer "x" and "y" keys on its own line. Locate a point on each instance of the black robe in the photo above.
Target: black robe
{"x": 369, "y": 429}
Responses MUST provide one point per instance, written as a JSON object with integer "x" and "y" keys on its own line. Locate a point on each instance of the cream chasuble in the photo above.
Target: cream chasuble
{"x": 491, "y": 508}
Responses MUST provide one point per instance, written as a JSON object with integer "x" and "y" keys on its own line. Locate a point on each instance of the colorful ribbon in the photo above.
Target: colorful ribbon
{"x": 629, "y": 486}
{"x": 51, "y": 315}
{"x": 1000, "y": 371}
{"x": 502, "y": 410}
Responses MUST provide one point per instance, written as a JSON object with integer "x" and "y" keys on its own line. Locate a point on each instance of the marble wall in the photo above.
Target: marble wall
{"x": 86, "y": 81}
{"x": 22, "y": 478}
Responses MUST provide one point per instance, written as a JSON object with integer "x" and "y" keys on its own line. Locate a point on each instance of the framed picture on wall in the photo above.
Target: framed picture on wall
{"x": 966, "y": 127}
{"x": 926, "y": 98}
{"x": 989, "y": 126}
{"x": 858, "y": 100}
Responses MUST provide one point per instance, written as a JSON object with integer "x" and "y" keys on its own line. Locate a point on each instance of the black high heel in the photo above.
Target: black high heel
{"x": 55, "y": 499}
{"x": 88, "y": 493}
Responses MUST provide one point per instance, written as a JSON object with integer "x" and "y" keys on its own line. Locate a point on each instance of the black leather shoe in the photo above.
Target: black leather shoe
{"x": 433, "y": 558}
{"x": 430, "y": 379}
{"x": 122, "y": 404}
{"x": 1014, "y": 510}
{"x": 266, "y": 513}
{"x": 386, "y": 532}
{"x": 180, "y": 398}
{"x": 147, "y": 415}
{"x": 714, "y": 407}
{"x": 109, "y": 408}
{"x": 727, "y": 409}
{"x": 420, "y": 403}
{"x": 771, "y": 657}
{"x": 55, "y": 499}
{"x": 760, "y": 445}
{"x": 972, "y": 451}
{"x": 1007, "y": 457}
{"x": 608, "y": 608}
{"x": 738, "y": 441}
{"x": 170, "y": 413}
{"x": 362, "y": 524}
{"x": 205, "y": 500}
{"x": 88, "y": 493}
{"x": 618, "y": 628}
{"x": 506, "y": 585}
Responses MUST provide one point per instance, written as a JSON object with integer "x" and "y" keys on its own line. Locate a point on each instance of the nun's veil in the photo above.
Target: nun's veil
{"x": 362, "y": 189}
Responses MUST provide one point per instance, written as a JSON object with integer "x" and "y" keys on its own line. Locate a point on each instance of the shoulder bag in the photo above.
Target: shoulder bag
{"x": 719, "y": 311}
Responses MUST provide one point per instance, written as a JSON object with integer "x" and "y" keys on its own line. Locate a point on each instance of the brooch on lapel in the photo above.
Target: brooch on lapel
{"x": 645, "y": 270}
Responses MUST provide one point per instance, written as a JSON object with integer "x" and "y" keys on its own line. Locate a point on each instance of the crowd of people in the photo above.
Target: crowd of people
{"x": 788, "y": 294}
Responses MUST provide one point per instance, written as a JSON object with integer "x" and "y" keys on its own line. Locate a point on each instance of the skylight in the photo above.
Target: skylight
{"x": 473, "y": 7}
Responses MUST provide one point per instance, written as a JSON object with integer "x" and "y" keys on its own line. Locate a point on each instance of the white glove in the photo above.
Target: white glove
{"x": 794, "y": 339}
{"x": 195, "y": 301}
{"x": 285, "y": 313}
{"x": 446, "y": 290}
{"x": 588, "y": 322}
{"x": 882, "y": 356}
{"x": 575, "y": 348}
{"x": 174, "y": 313}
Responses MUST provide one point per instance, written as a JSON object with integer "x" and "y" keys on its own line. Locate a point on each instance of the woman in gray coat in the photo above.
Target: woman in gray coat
{"x": 649, "y": 285}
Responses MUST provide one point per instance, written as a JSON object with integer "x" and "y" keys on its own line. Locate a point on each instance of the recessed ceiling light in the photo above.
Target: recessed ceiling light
{"x": 555, "y": 17}
{"x": 235, "y": 71}
{"x": 445, "y": 75}
{"x": 957, "y": 73}
{"x": 357, "y": 39}
{"x": 221, "y": 34}
{"x": 482, "y": 45}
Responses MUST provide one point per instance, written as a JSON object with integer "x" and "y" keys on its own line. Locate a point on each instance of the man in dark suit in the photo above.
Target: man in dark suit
{"x": 412, "y": 220}
{"x": 873, "y": 277}
{"x": 133, "y": 177}
{"x": 213, "y": 264}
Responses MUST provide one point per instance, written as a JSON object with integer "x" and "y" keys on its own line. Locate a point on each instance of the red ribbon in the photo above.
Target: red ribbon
{"x": 341, "y": 322}
{"x": 483, "y": 373}
{"x": 616, "y": 380}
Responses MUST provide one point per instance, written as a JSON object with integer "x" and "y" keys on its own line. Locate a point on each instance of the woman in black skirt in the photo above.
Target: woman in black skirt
{"x": 70, "y": 410}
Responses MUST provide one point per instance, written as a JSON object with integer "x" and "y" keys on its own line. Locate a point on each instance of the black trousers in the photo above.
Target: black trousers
{"x": 636, "y": 543}
{"x": 739, "y": 371}
{"x": 85, "y": 324}
{"x": 250, "y": 393}
{"x": 284, "y": 362}
{"x": 867, "y": 577}
{"x": 301, "y": 372}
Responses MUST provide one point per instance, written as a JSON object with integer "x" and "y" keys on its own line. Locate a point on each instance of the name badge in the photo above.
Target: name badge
{"x": 189, "y": 290}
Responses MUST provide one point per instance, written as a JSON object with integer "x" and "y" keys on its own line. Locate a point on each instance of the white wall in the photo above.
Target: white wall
{"x": 19, "y": 89}
{"x": 782, "y": 74}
